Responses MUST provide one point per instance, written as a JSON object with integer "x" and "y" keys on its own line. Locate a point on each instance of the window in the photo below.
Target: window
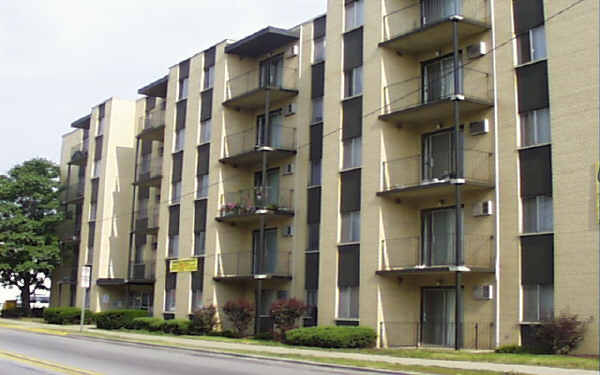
{"x": 173, "y": 246}
{"x": 313, "y": 237}
{"x": 317, "y": 110}
{"x": 179, "y": 139}
{"x": 170, "y": 291}
{"x": 354, "y": 15}
{"x": 196, "y": 299}
{"x": 353, "y": 82}
{"x": 312, "y": 297}
{"x": 538, "y": 215}
{"x": 96, "y": 168}
{"x": 199, "y": 243}
{"x": 535, "y": 127}
{"x": 101, "y": 123}
{"x": 205, "y": 131}
{"x": 143, "y": 208}
{"x": 315, "y": 172}
{"x": 352, "y": 153}
{"x": 538, "y": 302}
{"x": 90, "y": 253}
{"x": 183, "y": 88}
{"x": 350, "y": 227}
{"x": 176, "y": 192}
{"x": 93, "y": 210}
{"x": 202, "y": 189}
{"x": 348, "y": 302}
{"x": 319, "y": 50}
{"x": 209, "y": 77}
{"x": 435, "y": 10}
{"x": 531, "y": 45}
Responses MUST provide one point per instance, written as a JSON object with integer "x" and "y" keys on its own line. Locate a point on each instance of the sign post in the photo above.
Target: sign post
{"x": 84, "y": 282}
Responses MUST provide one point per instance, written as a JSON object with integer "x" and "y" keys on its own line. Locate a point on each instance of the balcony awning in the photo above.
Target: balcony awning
{"x": 82, "y": 123}
{"x": 157, "y": 89}
{"x": 261, "y": 42}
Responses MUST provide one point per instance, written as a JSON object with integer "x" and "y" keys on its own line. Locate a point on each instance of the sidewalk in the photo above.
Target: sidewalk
{"x": 216, "y": 346}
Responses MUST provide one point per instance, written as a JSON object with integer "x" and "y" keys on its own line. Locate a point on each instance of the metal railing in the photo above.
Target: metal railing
{"x": 246, "y": 263}
{"x": 412, "y": 18}
{"x": 149, "y": 168}
{"x": 417, "y": 91}
{"x": 285, "y": 79}
{"x": 153, "y": 119}
{"x": 79, "y": 151}
{"x": 143, "y": 271}
{"x": 415, "y": 252}
{"x": 248, "y": 201}
{"x": 420, "y": 169}
{"x": 475, "y": 335}
{"x": 151, "y": 215}
{"x": 70, "y": 231}
{"x": 281, "y": 137}
{"x": 74, "y": 191}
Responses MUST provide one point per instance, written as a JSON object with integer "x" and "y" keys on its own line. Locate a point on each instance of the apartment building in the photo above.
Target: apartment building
{"x": 404, "y": 165}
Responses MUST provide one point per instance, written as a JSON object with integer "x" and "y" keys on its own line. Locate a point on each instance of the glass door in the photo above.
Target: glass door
{"x": 268, "y": 265}
{"x": 438, "y": 79}
{"x": 438, "y": 317}
{"x": 439, "y": 228}
{"x": 273, "y": 138}
{"x": 438, "y": 156}
{"x": 436, "y": 10}
{"x": 270, "y": 196}
{"x": 271, "y": 72}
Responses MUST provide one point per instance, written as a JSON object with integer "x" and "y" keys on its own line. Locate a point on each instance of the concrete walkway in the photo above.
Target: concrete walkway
{"x": 216, "y": 346}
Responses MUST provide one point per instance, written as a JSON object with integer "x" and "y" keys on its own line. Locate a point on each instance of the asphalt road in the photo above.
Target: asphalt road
{"x": 25, "y": 353}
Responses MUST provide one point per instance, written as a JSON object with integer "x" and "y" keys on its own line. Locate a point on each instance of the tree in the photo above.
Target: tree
{"x": 285, "y": 313}
{"x": 240, "y": 313}
{"x": 29, "y": 215}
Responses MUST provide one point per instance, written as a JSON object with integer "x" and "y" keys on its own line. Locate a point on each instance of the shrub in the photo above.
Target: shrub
{"x": 332, "y": 337}
{"x": 176, "y": 326}
{"x": 226, "y": 333}
{"x": 117, "y": 319}
{"x": 143, "y": 323}
{"x": 12, "y": 313}
{"x": 240, "y": 313}
{"x": 67, "y": 315}
{"x": 512, "y": 349}
{"x": 561, "y": 335}
{"x": 203, "y": 321}
{"x": 157, "y": 325}
{"x": 285, "y": 313}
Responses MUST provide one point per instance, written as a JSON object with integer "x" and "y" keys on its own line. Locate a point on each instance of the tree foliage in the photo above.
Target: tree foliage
{"x": 29, "y": 215}
{"x": 285, "y": 313}
{"x": 240, "y": 313}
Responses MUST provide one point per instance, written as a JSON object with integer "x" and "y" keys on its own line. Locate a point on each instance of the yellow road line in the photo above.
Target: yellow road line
{"x": 32, "y": 329}
{"x": 56, "y": 367}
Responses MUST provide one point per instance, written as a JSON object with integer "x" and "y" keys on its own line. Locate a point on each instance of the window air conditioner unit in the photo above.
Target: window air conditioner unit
{"x": 479, "y": 127}
{"x": 290, "y": 109}
{"x": 288, "y": 231}
{"x": 485, "y": 208}
{"x": 289, "y": 169}
{"x": 484, "y": 292}
{"x": 476, "y": 50}
{"x": 292, "y": 51}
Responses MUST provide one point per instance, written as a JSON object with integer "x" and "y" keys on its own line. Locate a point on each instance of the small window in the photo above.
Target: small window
{"x": 205, "y": 131}
{"x": 196, "y": 299}
{"x": 315, "y": 173}
{"x": 202, "y": 189}
{"x": 538, "y": 214}
{"x": 176, "y": 192}
{"x": 139, "y": 254}
{"x": 348, "y": 302}
{"x": 209, "y": 77}
{"x": 93, "y": 210}
{"x": 179, "y": 140}
{"x": 90, "y": 254}
{"x": 535, "y": 127}
{"x": 538, "y": 302}
{"x": 350, "y": 227}
{"x": 101, "y": 123}
{"x": 96, "y": 168}
{"x": 170, "y": 300}
{"x": 173, "y": 246}
{"x": 531, "y": 45}
{"x": 354, "y": 14}
{"x": 319, "y": 50}
{"x": 317, "y": 110}
{"x": 183, "y": 88}
{"x": 143, "y": 209}
{"x": 313, "y": 237}
{"x": 199, "y": 243}
{"x": 352, "y": 153}
{"x": 353, "y": 82}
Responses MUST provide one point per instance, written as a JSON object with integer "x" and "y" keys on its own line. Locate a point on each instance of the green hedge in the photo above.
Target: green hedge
{"x": 145, "y": 323}
{"x": 177, "y": 326}
{"x": 332, "y": 337}
{"x": 67, "y": 315}
{"x": 117, "y": 319}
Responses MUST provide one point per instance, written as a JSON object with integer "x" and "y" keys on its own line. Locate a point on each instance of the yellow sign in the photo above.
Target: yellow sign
{"x": 183, "y": 265}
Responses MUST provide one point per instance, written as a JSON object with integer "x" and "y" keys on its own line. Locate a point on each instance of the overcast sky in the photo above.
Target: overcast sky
{"x": 58, "y": 58}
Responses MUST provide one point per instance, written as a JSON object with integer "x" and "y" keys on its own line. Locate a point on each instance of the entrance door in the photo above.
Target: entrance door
{"x": 439, "y": 156}
{"x": 438, "y": 79}
{"x": 271, "y": 72}
{"x": 272, "y": 138}
{"x": 270, "y": 197}
{"x": 437, "y": 317}
{"x": 439, "y": 228}
{"x": 436, "y": 10}
{"x": 268, "y": 265}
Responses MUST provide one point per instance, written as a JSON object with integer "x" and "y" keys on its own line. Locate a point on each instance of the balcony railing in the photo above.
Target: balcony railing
{"x": 247, "y": 90}
{"x": 475, "y": 335}
{"x": 79, "y": 153}
{"x": 147, "y": 219}
{"x": 256, "y": 200}
{"x": 416, "y": 253}
{"x": 74, "y": 192}
{"x": 281, "y": 139}
{"x": 424, "y": 170}
{"x": 245, "y": 264}
{"x": 153, "y": 119}
{"x": 149, "y": 169}
{"x": 142, "y": 271}
{"x": 420, "y": 98}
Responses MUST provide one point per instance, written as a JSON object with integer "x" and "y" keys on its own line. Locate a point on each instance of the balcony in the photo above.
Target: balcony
{"x": 244, "y": 266}
{"x": 414, "y": 255}
{"x": 415, "y": 29}
{"x": 248, "y": 91}
{"x": 419, "y": 176}
{"x": 150, "y": 171}
{"x": 152, "y": 124}
{"x": 79, "y": 154}
{"x": 70, "y": 232}
{"x": 147, "y": 221}
{"x": 247, "y": 206}
{"x": 142, "y": 273}
{"x": 245, "y": 148}
{"x": 476, "y": 335}
{"x": 418, "y": 101}
{"x": 73, "y": 193}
